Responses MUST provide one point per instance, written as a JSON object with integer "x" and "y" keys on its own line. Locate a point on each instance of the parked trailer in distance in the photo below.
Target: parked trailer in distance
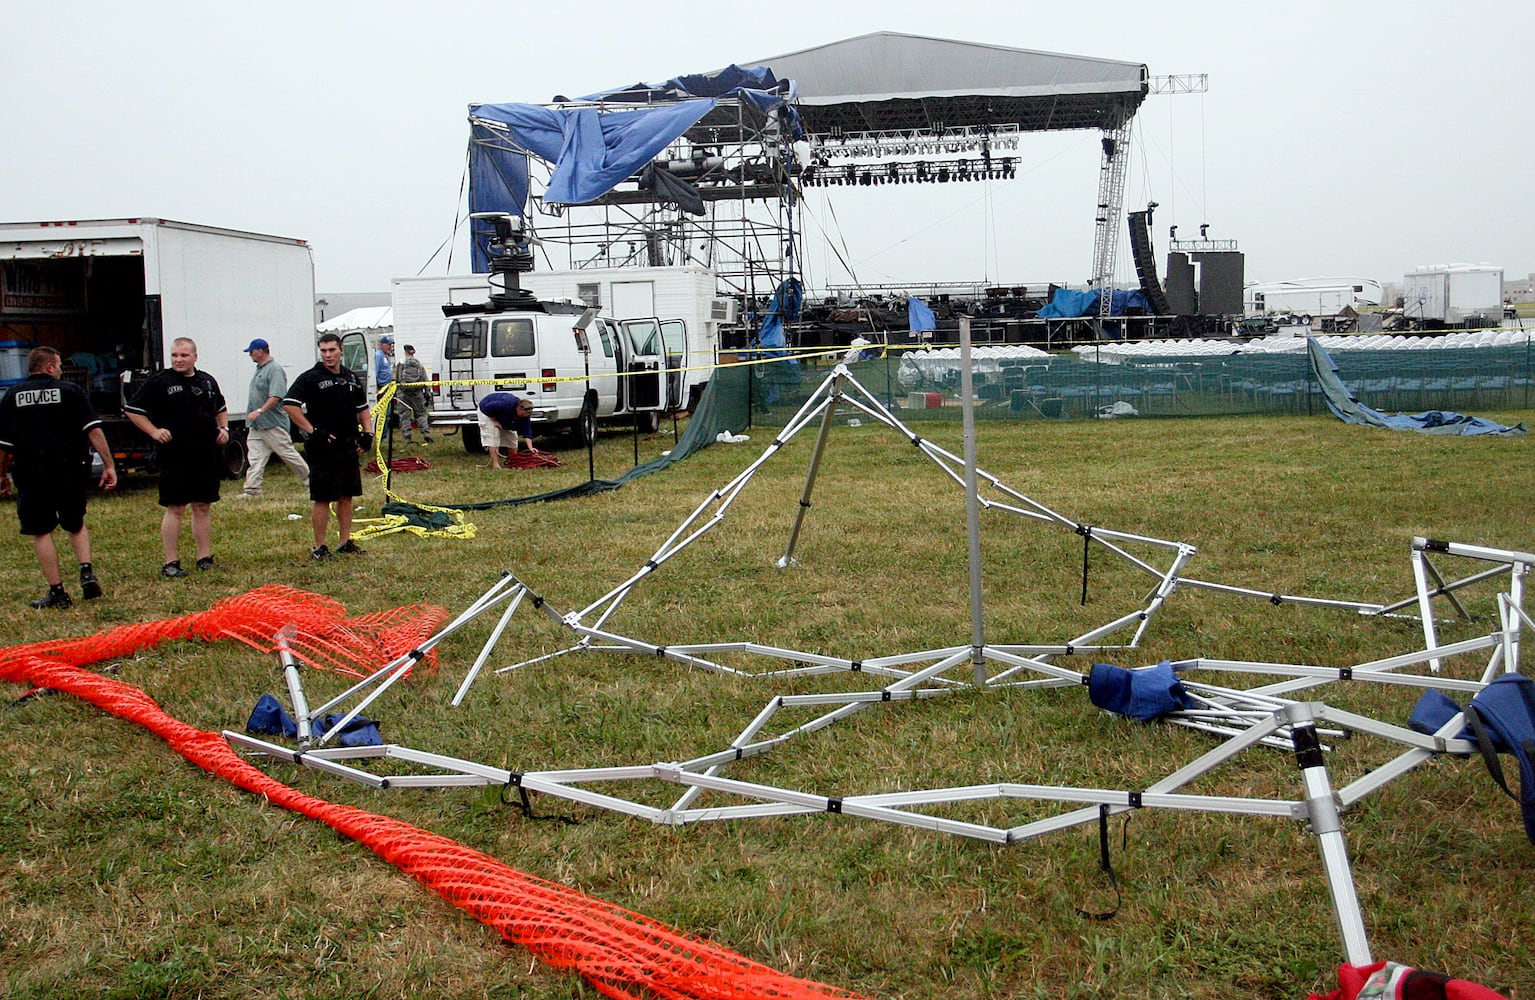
{"x": 113, "y": 294}
{"x": 1451, "y": 295}
{"x": 1324, "y": 296}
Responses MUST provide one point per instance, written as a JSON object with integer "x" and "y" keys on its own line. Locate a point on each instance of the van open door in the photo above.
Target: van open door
{"x": 674, "y": 337}
{"x": 357, "y": 358}
{"x": 647, "y": 391}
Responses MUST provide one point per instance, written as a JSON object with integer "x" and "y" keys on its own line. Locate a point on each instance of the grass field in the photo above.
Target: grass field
{"x": 126, "y": 872}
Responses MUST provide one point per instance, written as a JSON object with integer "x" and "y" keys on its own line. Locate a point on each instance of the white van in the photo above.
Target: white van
{"x": 576, "y": 373}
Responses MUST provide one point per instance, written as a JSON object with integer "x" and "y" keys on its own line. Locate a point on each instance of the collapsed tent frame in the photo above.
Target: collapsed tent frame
{"x": 1267, "y": 715}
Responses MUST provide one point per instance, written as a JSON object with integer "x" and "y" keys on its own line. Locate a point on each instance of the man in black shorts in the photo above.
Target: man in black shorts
{"x": 182, "y": 410}
{"x": 45, "y": 425}
{"x": 329, "y": 406}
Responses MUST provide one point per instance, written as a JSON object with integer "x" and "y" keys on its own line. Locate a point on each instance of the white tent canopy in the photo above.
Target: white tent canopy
{"x": 379, "y": 319}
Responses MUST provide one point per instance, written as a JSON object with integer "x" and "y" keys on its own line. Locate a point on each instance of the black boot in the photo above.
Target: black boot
{"x": 90, "y": 587}
{"x": 57, "y": 597}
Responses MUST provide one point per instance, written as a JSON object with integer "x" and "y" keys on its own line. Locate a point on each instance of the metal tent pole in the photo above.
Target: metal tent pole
{"x": 1327, "y": 827}
{"x": 972, "y": 506}
{"x": 827, "y": 416}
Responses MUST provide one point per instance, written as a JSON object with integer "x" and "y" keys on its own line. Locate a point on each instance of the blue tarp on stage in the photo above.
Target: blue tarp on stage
{"x": 1066, "y": 303}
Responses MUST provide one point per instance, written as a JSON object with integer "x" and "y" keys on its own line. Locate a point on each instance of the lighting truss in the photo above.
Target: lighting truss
{"x": 917, "y": 172}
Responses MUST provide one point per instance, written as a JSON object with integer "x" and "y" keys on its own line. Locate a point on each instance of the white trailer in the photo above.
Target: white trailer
{"x": 112, "y": 294}
{"x": 1443, "y": 295}
{"x": 1325, "y": 296}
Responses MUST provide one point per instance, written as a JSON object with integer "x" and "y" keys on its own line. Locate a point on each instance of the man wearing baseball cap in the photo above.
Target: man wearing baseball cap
{"x": 266, "y": 422}
{"x": 383, "y": 363}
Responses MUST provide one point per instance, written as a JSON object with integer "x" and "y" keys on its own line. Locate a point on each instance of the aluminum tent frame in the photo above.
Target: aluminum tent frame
{"x": 1246, "y": 718}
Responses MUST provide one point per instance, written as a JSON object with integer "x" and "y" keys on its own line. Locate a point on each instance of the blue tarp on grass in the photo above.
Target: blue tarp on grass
{"x": 1347, "y": 408}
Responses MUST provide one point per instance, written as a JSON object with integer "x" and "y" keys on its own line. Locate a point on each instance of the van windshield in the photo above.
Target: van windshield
{"x": 512, "y": 338}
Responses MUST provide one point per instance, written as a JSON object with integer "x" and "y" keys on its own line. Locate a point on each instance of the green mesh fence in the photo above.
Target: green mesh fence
{"x": 1069, "y": 386}
{"x": 918, "y": 387}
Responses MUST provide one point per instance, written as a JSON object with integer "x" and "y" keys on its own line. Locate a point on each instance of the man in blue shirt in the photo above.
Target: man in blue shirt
{"x": 383, "y": 363}
{"x": 506, "y": 421}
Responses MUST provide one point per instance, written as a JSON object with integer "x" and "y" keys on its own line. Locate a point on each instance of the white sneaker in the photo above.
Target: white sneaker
{"x": 247, "y": 496}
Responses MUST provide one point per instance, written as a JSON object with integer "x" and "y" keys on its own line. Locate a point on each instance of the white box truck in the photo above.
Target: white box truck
{"x": 112, "y": 294}
{"x": 1453, "y": 295}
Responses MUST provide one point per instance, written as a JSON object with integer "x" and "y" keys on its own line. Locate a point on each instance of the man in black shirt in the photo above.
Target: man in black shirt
{"x": 329, "y": 406}
{"x": 45, "y": 425}
{"x": 182, "y": 410}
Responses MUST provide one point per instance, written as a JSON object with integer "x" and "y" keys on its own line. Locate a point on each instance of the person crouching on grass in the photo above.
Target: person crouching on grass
{"x": 506, "y": 421}
{"x": 329, "y": 406}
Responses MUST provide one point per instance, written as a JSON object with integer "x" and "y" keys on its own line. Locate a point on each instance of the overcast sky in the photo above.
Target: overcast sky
{"x": 1336, "y": 138}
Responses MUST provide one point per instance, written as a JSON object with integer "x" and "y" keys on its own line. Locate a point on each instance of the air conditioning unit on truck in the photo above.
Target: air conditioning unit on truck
{"x": 112, "y": 295}
{"x": 578, "y": 367}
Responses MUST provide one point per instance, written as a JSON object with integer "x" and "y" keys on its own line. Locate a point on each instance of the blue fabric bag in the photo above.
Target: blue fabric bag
{"x": 269, "y": 718}
{"x": 1500, "y": 719}
{"x": 1145, "y": 694}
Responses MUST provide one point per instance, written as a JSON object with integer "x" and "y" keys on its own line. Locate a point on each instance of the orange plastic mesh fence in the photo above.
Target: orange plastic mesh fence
{"x": 324, "y": 637}
{"x": 623, "y": 954}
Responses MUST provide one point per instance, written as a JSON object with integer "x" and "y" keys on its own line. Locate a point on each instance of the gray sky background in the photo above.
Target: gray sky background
{"x": 1337, "y": 138}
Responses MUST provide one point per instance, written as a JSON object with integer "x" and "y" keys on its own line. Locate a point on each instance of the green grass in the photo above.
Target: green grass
{"x": 125, "y": 872}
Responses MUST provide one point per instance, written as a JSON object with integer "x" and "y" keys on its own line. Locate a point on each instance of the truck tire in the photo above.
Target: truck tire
{"x": 649, "y": 421}
{"x": 471, "y": 439}
{"x": 236, "y": 458}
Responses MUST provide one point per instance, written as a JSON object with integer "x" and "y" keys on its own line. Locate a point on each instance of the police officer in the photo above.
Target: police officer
{"x": 329, "y": 405}
{"x": 182, "y": 410}
{"x": 45, "y": 425}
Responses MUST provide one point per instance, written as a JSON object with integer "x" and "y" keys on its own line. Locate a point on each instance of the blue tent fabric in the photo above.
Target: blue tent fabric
{"x": 755, "y": 84}
{"x": 1506, "y": 709}
{"x": 498, "y": 182}
{"x": 1067, "y": 303}
{"x": 592, "y": 150}
{"x": 1347, "y": 408}
{"x": 784, "y": 306}
{"x": 1145, "y": 694}
{"x": 919, "y": 316}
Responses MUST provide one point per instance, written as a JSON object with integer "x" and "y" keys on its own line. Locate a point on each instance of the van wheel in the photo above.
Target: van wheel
{"x": 650, "y": 421}
{"x": 236, "y": 459}
{"x": 471, "y": 439}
